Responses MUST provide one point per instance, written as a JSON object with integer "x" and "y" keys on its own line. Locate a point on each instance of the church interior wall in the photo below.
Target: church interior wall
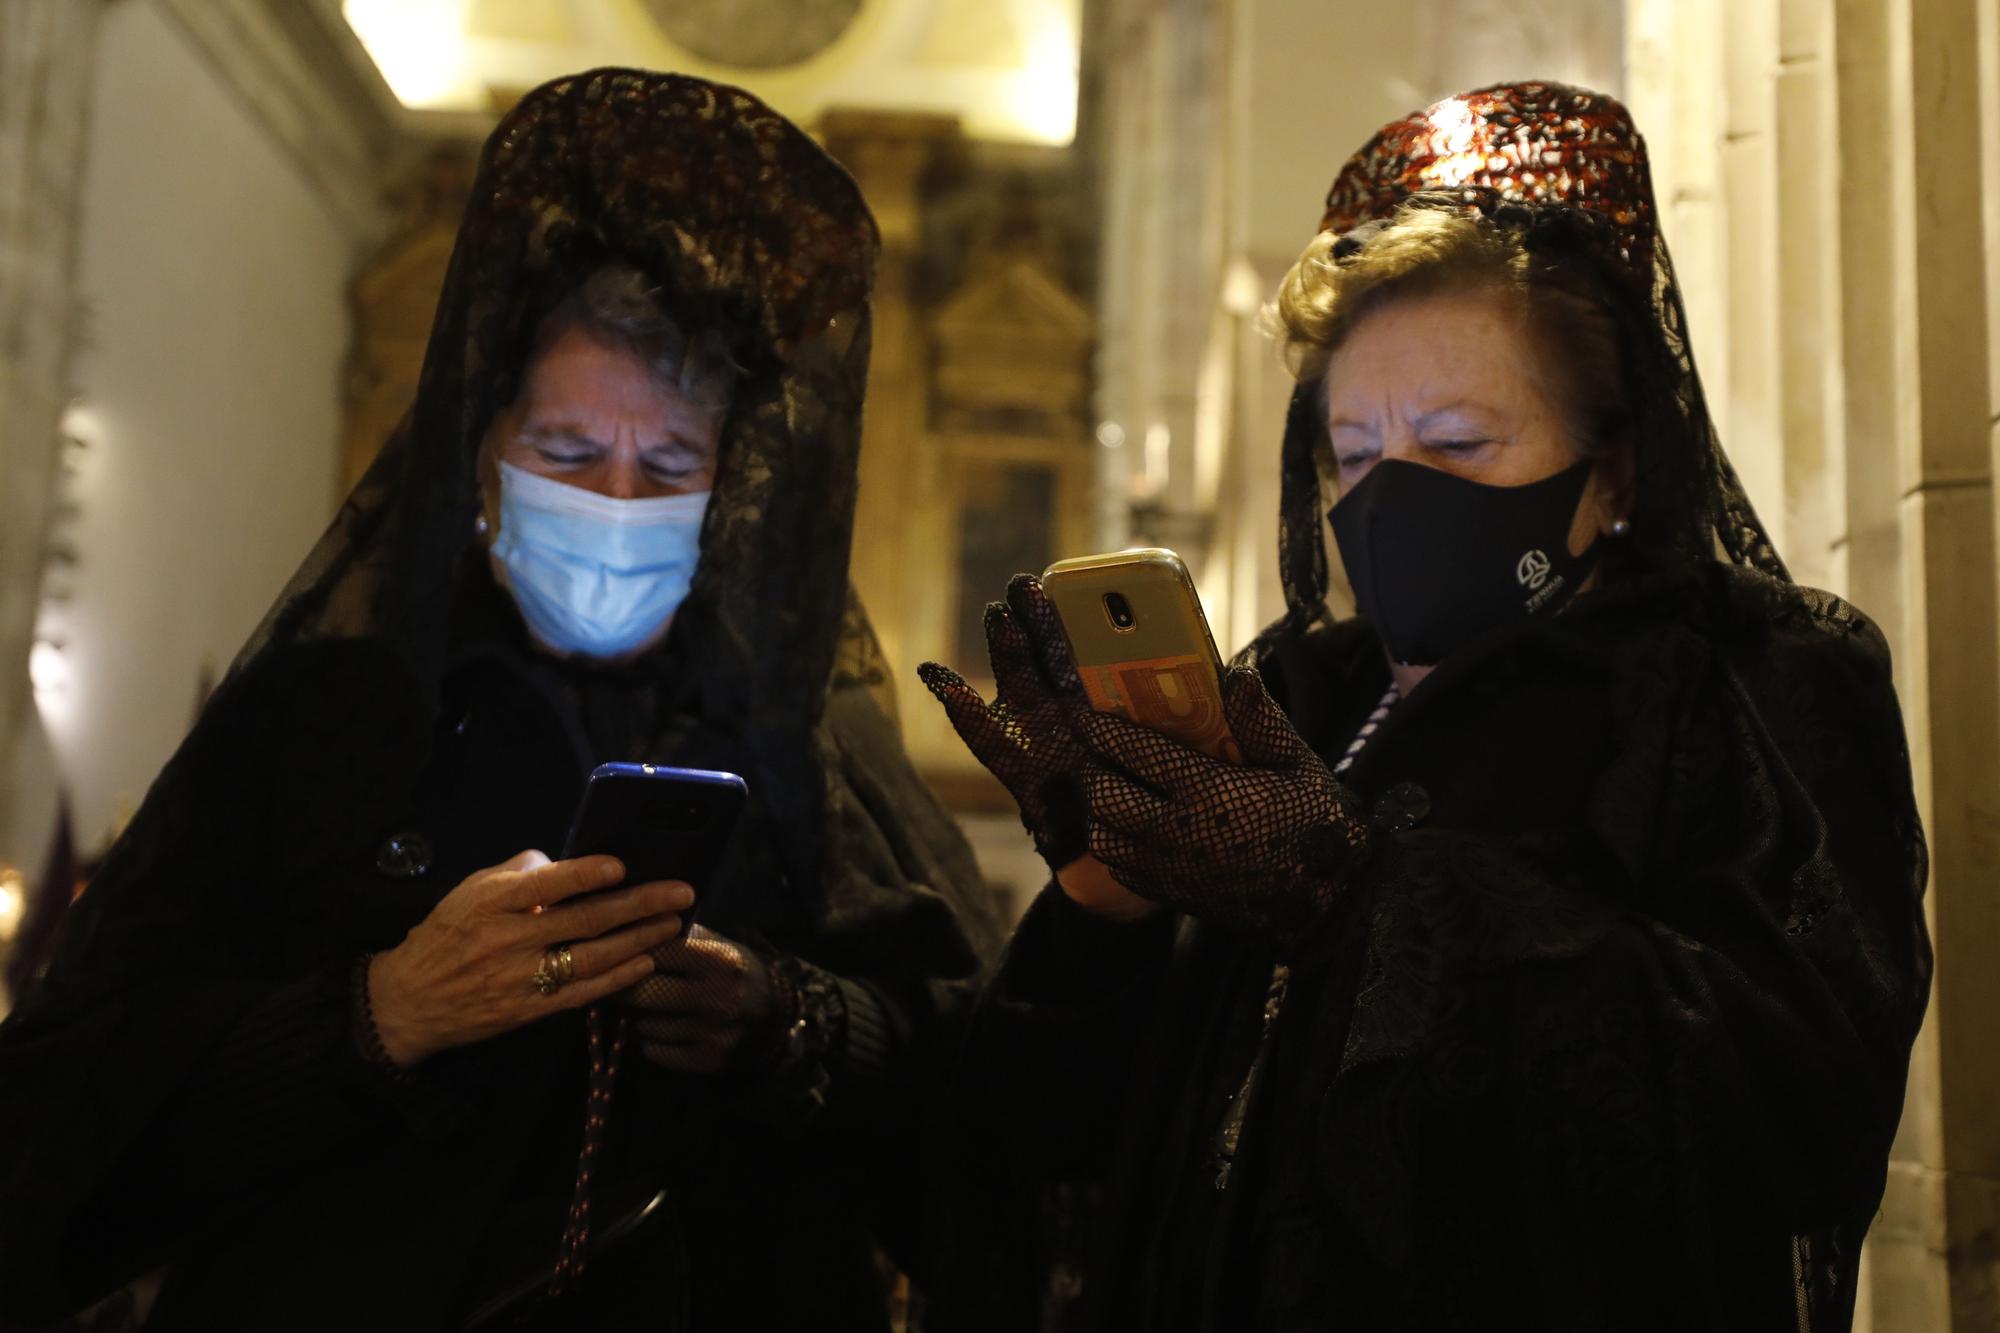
{"x": 212, "y": 280}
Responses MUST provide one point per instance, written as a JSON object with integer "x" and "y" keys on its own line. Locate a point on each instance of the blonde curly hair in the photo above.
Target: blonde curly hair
{"x": 1422, "y": 251}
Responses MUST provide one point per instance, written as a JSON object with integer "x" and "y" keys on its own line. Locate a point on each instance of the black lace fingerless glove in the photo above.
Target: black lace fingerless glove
{"x": 1262, "y": 847}
{"x": 1026, "y": 736}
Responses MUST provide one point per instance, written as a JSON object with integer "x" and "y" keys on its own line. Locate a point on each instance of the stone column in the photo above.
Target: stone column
{"x": 1829, "y": 172}
{"x": 1471, "y": 43}
{"x": 1810, "y": 378}
{"x": 1160, "y": 157}
{"x": 46, "y": 58}
{"x": 1749, "y": 412}
{"x": 1948, "y": 1170}
{"x": 1905, "y": 1282}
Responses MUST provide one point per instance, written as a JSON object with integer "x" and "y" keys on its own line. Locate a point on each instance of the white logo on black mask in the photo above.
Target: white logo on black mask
{"x": 1533, "y": 570}
{"x": 1437, "y": 560}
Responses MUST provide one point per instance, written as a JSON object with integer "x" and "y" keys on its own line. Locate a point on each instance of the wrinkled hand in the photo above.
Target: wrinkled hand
{"x": 1026, "y": 736}
{"x": 710, "y": 1006}
{"x": 466, "y": 971}
{"x": 1262, "y": 846}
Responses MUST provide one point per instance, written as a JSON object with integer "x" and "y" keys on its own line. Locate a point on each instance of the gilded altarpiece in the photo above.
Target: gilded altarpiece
{"x": 977, "y": 448}
{"x": 1010, "y": 392}
{"x": 392, "y": 300}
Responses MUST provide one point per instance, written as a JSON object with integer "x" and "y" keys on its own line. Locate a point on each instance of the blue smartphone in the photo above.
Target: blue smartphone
{"x": 663, "y": 823}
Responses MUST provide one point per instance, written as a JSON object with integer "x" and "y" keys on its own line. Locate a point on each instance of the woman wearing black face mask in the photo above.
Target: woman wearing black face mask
{"x": 1554, "y": 957}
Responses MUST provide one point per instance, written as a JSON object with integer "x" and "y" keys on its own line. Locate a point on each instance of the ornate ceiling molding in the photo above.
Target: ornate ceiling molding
{"x": 301, "y": 72}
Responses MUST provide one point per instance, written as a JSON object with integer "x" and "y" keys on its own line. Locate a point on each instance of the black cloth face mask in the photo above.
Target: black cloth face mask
{"x": 1436, "y": 560}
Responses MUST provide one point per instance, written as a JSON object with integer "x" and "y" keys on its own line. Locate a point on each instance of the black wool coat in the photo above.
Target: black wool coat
{"x": 220, "y": 1123}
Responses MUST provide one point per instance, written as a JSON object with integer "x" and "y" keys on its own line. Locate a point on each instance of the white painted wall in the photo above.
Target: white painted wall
{"x": 213, "y": 280}
{"x": 1318, "y": 80}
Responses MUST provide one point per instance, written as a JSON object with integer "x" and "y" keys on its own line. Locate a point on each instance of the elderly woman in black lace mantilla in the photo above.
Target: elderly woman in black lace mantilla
{"x": 303, "y": 1047}
{"x": 1553, "y": 959}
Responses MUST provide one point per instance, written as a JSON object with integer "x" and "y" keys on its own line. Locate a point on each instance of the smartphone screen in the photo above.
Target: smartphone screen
{"x": 663, "y": 823}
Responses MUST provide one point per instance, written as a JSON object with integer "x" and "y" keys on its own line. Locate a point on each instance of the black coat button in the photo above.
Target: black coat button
{"x": 1402, "y": 807}
{"x": 404, "y": 855}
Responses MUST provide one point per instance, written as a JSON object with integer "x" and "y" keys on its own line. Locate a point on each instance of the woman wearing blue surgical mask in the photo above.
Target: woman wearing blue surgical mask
{"x": 596, "y": 477}
{"x": 316, "y": 1045}
{"x": 1553, "y": 958}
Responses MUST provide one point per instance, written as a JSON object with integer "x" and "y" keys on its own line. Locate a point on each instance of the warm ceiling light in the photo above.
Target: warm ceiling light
{"x": 1045, "y": 89}
{"x": 52, "y": 680}
{"x": 13, "y": 901}
{"x": 419, "y": 45}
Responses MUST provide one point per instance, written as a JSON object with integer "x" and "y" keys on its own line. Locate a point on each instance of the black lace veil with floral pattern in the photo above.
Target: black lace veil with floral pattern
{"x": 749, "y": 228}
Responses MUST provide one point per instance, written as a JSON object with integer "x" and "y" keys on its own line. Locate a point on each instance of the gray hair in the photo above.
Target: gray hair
{"x": 618, "y": 305}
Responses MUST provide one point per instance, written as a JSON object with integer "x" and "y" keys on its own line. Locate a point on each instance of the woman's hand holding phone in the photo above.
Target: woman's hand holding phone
{"x": 1027, "y": 738}
{"x": 1262, "y": 846}
{"x": 1220, "y": 810}
{"x": 468, "y": 970}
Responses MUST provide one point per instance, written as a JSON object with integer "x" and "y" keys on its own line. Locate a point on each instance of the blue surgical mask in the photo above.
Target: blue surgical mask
{"x": 594, "y": 574}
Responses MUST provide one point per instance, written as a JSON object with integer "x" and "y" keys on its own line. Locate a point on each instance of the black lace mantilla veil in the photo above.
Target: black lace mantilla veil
{"x": 1566, "y": 169}
{"x": 748, "y": 227}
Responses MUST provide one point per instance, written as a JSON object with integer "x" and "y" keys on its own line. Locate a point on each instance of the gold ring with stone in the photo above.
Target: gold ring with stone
{"x": 548, "y": 976}
{"x": 565, "y": 966}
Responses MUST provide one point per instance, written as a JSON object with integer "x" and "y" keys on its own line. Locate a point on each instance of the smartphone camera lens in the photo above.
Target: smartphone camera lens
{"x": 1119, "y": 610}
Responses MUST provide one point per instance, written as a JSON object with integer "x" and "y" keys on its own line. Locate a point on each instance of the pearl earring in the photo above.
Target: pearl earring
{"x": 479, "y": 525}
{"x": 1621, "y": 527}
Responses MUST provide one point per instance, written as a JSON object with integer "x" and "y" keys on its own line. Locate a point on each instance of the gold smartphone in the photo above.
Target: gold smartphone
{"x": 1142, "y": 645}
